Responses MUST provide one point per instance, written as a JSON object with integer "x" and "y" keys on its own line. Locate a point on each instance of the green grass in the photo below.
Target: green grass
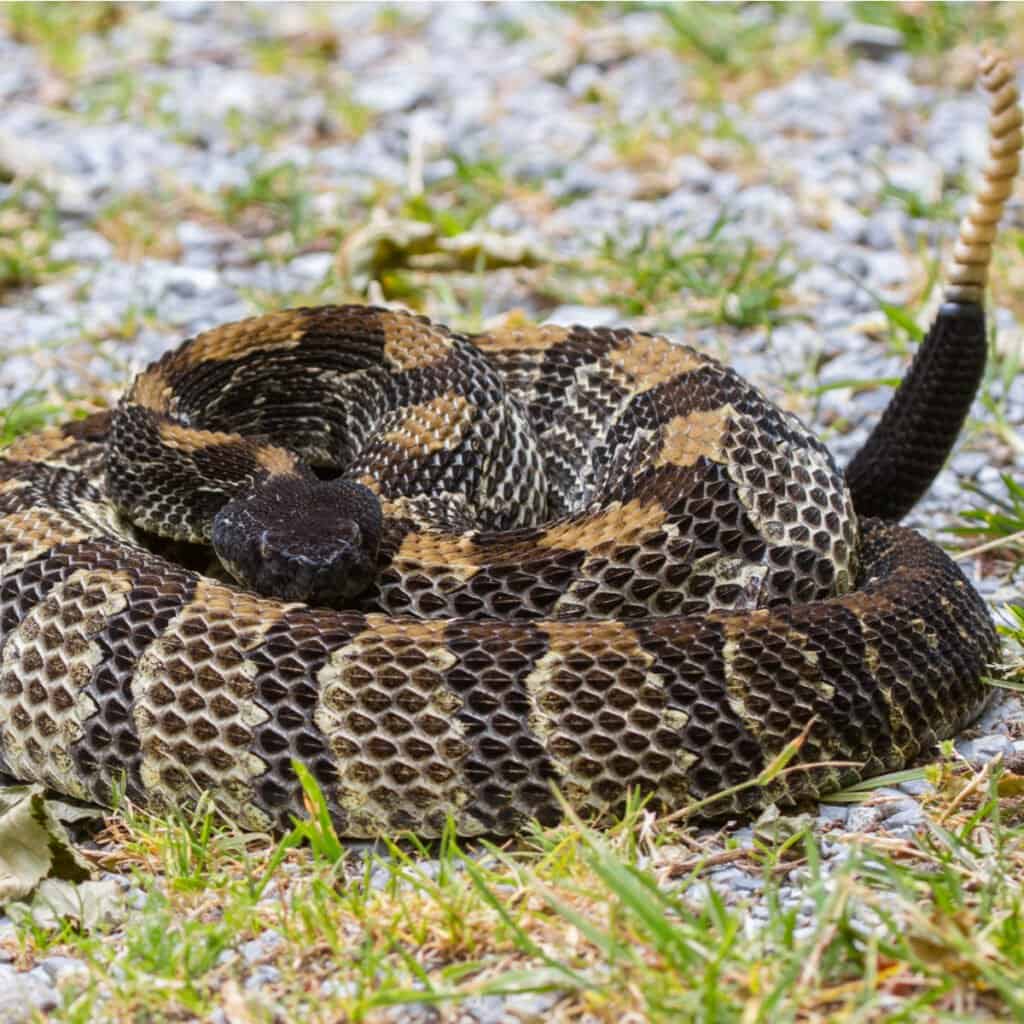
{"x": 458, "y": 203}
{"x": 714, "y": 279}
{"x": 29, "y": 227}
{"x": 276, "y": 198}
{"x": 918, "y": 205}
{"x": 935, "y": 29}
{"x": 56, "y": 29}
{"x": 726, "y": 45}
{"x": 30, "y": 411}
{"x": 1003, "y": 520}
{"x": 608, "y": 924}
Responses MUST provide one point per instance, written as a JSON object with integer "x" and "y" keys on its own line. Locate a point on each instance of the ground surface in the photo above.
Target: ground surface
{"x": 778, "y": 184}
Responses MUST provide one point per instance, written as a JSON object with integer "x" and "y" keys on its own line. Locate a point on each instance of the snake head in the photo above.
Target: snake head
{"x": 301, "y": 539}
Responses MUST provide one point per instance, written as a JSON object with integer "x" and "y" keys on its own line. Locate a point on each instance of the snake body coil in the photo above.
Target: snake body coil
{"x": 472, "y": 568}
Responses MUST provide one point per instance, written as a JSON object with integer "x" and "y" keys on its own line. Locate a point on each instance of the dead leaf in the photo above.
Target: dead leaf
{"x": 1010, "y": 784}
{"x": 34, "y": 845}
{"x": 774, "y": 828}
{"x": 383, "y": 244}
{"x": 393, "y": 243}
{"x": 87, "y": 906}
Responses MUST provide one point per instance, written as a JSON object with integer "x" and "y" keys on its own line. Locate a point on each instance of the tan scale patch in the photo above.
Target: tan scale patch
{"x": 410, "y": 344}
{"x": 424, "y": 550}
{"x": 10, "y": 486}
{"x": 152, "y": 391}
{"x": 277, "y": 461}
{"x": 194, "y": 707}
{"x": 619, "y": 524}
{"x": 737, "y": 685}
{"x": 897, "y": 714}
{"x": 432, "y": 426}
{"x": 869, "y": 607}
{"x": 649, "y": 361}
{"x": 189, "y": 440}
{"x": 371, "y": 483}
{"x": 46, "y": 663}
{"x": 391, "y": 724}
{"x": 269, "y": 333}
{"x": 555, "y": 685}
{"x": 947, "y": 606}
{"x": 42, "y": 446}
{"x": 32, "y": 532}
{"x": 527, "y": 338}
{"x": 686, "y": 438}
{"x": 405, "y": 632}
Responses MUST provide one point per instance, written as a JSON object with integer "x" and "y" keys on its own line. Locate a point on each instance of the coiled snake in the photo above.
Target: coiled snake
{"x": 457, "y": 572}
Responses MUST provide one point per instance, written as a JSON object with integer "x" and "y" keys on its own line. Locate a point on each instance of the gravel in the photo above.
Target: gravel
{"x": 25, "y": 993}
{"x": 261, "y": 948}
{"x": 983, "y": 749}
{"x": 809, "y": 164}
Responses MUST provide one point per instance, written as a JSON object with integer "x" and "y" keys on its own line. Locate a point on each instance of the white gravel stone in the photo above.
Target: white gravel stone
{"x": 917, "y": 787}
{"x": 262, "y": 946}
{"x": 585, "y": 316}
{"x": 983, "y": 749}
{"x": 906, "y": 820}
{"x": 263, "y": 974}
{"x": 62, "y": 968}
{"x": 833, "y": 813}
{"x": 874, "y": 41}
{"x": 863, "y": 817}
{"x": 23, "y": 994}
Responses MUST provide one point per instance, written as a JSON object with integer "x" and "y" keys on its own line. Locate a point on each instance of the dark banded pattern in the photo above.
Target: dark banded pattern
{"x": 607, "y": 564}
{"x": 116, "y": 666}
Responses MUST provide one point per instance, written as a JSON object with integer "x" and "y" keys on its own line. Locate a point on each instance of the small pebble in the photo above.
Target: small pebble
{"x": 892, "y": 801}
{"x": 876, "y": 42}
{"x": 863, "y": 817}
{"x": 262, "y": 975}
{"x": 916, "y": 787}
{"x": 341, "y": 989}
{"x": 263, "y": 946}
{"x": 978, "y": 752}
{"x": 22, "y": 994}
{"x": 909, "y": 818}
{"x": 833, "y": 813}
{"x": 60, "y": 968}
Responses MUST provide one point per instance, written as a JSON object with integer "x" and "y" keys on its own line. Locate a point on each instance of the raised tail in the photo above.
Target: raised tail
{"x": 921, "y": 423}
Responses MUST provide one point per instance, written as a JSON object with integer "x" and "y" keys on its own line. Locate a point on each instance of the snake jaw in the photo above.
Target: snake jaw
{"x": 301, "y": 540}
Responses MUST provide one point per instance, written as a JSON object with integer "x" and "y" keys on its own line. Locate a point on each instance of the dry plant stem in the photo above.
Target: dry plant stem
{"x": 996, "y": 542}
{"x": 828, "y": 933}
{"x": 970, "y": 788}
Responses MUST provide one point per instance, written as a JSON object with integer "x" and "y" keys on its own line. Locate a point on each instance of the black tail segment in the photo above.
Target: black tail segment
{"x": 921, "y": 423}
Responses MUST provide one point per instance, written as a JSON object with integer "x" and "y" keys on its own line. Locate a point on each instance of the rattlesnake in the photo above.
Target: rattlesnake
{"x": 458, "y": 573}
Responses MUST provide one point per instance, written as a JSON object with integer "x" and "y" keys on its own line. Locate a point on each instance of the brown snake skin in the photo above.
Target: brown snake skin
{"x": 607, "y": 563}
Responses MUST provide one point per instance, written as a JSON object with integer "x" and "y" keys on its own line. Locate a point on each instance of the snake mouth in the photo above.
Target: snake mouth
{"x": 317, "y": 573}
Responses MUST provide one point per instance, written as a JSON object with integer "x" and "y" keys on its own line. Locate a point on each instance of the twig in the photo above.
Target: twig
{"x": 996, "y": 542}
